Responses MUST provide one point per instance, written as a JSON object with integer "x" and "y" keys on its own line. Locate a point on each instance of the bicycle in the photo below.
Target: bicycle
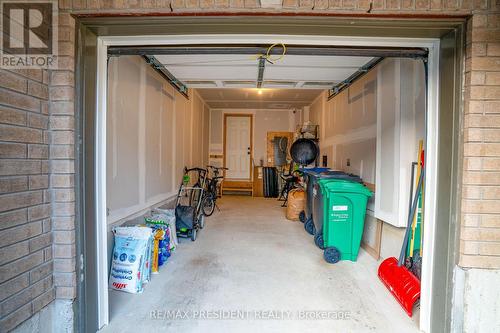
{"x": 212, "y": 191}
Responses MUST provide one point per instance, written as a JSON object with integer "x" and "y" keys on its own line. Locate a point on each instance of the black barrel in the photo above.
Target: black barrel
{"x": 304, "y": 151}
{"x": 270, "y": 180}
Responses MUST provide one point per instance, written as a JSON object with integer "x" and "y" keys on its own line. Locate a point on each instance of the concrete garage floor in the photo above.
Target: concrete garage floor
{"x": 250, "y": 259}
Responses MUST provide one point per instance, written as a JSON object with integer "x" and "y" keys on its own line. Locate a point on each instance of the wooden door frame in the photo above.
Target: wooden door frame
{"x": 226, "y": 115}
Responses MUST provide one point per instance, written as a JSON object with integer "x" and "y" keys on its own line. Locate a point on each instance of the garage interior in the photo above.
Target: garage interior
{"x": 170, "y": 108}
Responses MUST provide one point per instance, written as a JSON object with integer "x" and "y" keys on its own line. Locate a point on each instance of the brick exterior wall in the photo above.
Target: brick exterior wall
{"x": 480, "y": 227}
{"x": 37, "y": 199}
{"x": 26, "y": 259}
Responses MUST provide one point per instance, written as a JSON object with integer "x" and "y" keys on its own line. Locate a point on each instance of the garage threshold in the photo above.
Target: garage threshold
{"x": 264, "y": 273}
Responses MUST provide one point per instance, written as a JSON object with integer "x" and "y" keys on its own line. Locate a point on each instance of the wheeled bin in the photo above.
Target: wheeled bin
{"x": 317, "y": 205}
{"x": 344, "y": 218}
{"x": 310, "y": 179}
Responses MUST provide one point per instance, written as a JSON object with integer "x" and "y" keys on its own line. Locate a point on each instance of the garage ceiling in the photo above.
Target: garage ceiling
{"x": 241, "y": 70}
{"x": 250, "y": 98}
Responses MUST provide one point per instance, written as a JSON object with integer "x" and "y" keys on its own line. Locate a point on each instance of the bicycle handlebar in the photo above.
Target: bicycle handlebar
{"x": 218, "y": 168}
{"x": 194, "y": 169}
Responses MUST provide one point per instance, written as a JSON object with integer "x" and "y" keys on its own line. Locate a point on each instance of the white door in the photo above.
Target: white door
{"x": 238, "y": 148}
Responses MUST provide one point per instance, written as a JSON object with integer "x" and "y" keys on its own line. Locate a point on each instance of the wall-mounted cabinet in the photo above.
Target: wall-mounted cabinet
{"x": 400, "y": 126}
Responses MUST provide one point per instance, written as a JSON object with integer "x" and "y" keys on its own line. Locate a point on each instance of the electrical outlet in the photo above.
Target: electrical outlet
{"x": 348, "y": 162}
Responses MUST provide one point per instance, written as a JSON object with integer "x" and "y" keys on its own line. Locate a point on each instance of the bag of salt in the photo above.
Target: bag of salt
{"x": 130, "y": 267}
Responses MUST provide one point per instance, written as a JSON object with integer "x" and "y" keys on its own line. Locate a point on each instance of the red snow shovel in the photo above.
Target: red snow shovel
{"x": 403, "y": 285}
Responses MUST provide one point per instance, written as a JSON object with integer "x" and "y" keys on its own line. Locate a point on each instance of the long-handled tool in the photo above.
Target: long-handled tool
{"x": 404, "y": 286}
{"x": 416, "y": 244}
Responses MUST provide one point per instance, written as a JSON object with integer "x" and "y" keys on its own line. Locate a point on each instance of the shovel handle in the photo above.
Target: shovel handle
{"x": 402, "y": 255}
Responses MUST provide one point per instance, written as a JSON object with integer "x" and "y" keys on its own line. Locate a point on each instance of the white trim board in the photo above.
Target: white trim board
{"x": 432, "y": 135}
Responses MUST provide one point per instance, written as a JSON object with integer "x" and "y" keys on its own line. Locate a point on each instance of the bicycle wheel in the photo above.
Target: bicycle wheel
{"x": 194, "y": 196}
{"x": 208, "y": 205}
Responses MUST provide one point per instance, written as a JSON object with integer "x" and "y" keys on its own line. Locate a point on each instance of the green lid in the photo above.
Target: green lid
{"x": 345, "y": 186}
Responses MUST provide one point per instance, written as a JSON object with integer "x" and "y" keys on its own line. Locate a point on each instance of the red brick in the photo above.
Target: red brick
{"x": 38, "y": 121}
{"x": 61, "y": 93}
{"x": 40, "y": 242}
{"x": 20, "y": 134}
{"x": 18, "y": 100}
{"x": 13, "y": 252}
{"x": 62, "y": 123}
{"x": 290, "y": 3}
{"x": 38, "y": 151}
{"x": 37, "y": 182}
{"x": 12, "y": 150}
{"x": 64, "y": 265}
{"x": 335, "y": 4}
{"x": 12, "y": 81}
{"x": 43, "y": 300}
{"x": 252, "y": 4}
{"x": 17, "y": 317}
{"x": 62, "y": 78}
{"x": 64, "y": 222}
{"x": 178, "y": 4}
{"x": 18, "y": 234}
{"x": 192, "y": 3}
{"x": 349, "y": 4}
{"x": 492, "y": 78}
{"x": 485, "y": 35}
{"x": 12, "y": 116}
{"x": 389, "y": 4}
{"x": 222, "y": 3}
{"x": 13, "y": 184}
{"x": 65, "y": 292}
{"x": 38, "y": 212}
{"x": 236, "y": 3}
{"x": 64, "y": 237}
{"x": 63, "y": 209}
{"x": 65, "y": 279}
{"x": 62, "y": 108}
{"x": 13, "y": 218}
{"x": 41, "y": 272}
{"x": 38, "y": 90}
{"x": 13, "y": 286}
{"x": 62, "y": 166}
{"x": 207, "y": 3}
{"x": 62, "y": 181}
{"x": 62, "y": 137}
{"x": 20, "y": 200}
{"x": 422, "y": 4}
{"x": 25, "y": 296}
{"x": 19, "y": 167}
{"x": 20, "y": 266}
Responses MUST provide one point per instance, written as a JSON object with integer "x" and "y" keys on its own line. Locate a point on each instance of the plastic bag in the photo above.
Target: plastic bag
{"x": 166, "y": 216}
{"x": 296, "y": 202}
{"x": 130, "y": 267}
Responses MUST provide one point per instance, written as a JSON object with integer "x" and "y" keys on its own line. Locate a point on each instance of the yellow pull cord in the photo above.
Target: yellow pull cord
{"x": 268, "y": 56}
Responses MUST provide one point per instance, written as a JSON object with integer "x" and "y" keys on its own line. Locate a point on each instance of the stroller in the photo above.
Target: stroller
{"x": 188, "y": 214}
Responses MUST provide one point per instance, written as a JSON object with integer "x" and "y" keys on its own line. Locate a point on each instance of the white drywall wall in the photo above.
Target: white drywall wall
{"x": 152, "y": 133}
{"x": 348, "y": 133}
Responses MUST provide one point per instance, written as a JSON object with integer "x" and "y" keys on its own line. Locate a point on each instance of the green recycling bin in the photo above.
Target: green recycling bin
{"x": 344, "y": 218}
